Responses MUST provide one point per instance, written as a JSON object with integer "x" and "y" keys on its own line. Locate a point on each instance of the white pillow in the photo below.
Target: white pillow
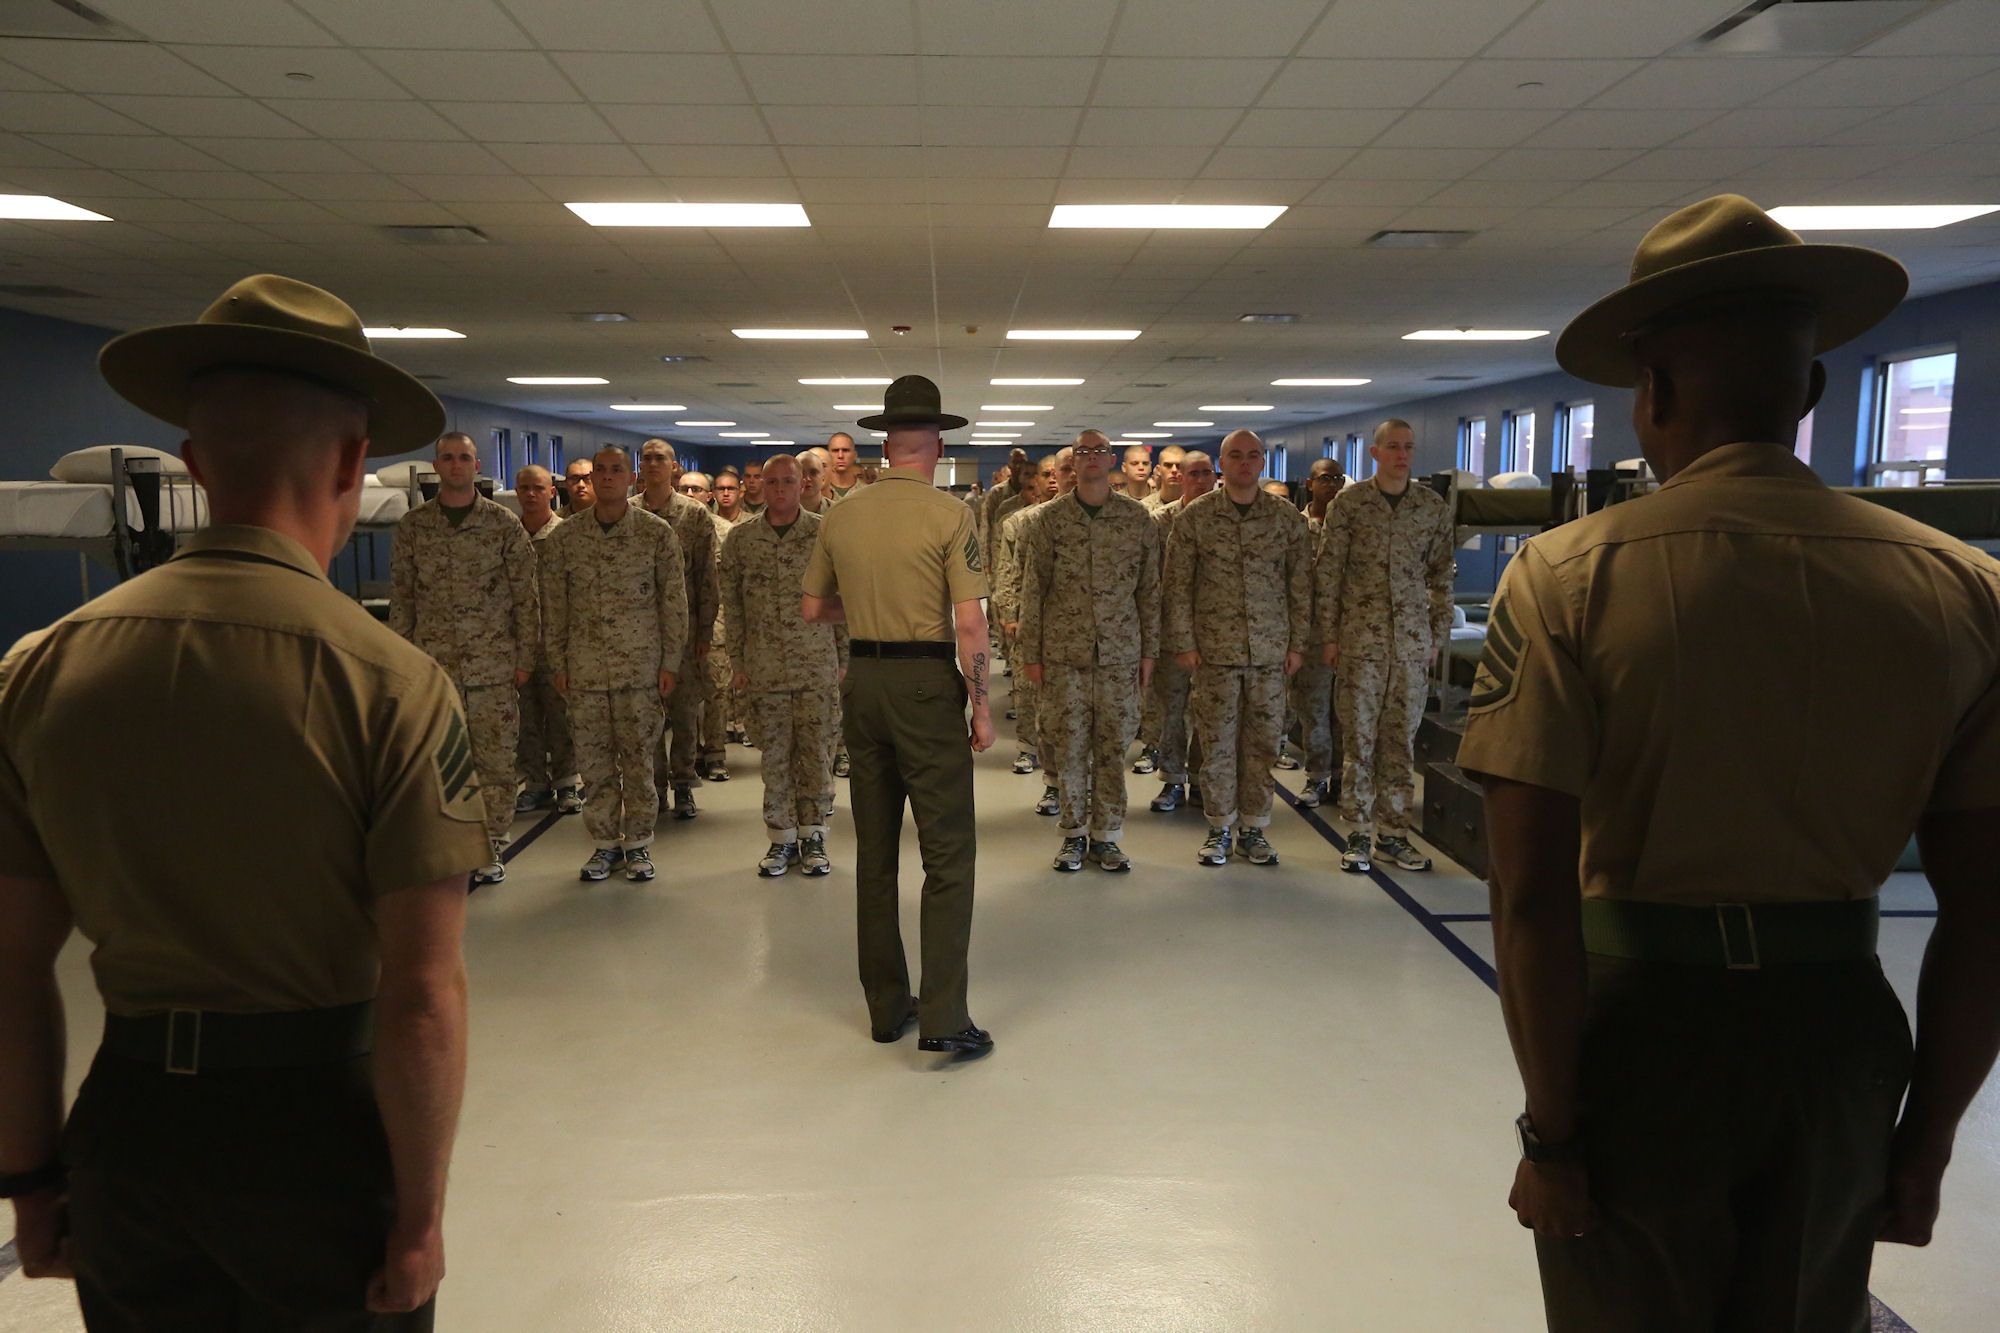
{"x": 398, "y": 474}
{"x": 1514, "y": 481}
{"x": 92, "y": 467}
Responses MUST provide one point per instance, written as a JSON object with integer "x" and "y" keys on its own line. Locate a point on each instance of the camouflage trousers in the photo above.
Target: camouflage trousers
{"x": 1089, "y": 716}
{"x": 493, "y": 716}
{"x": 617, "y": 733}
{"x": 1311, "y": 698}
{"x": 680, "y": 742}
{"x": 1239, "y": 719}
{"x": 719, "y": 706}
{"x": 546, "y": 757}
{"x": 1169, "y": 695}
{"x": 1380, "y": 704}
{"x": 794, "y": 730}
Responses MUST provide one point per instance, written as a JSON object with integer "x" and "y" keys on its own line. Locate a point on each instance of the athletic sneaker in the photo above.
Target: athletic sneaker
{"x": 569, "y": 800}
{"x": 1051, "y": 802}
{"x": 1315, "y": 793}
{"x": 684, "y": 803}
{"x": 532, "y": 798}
{"x": 1110, "y": 856}
{"x": 1170, "y": 798}
{"x": 601, "y": 863}
{"x": 1399, "y": 851}
{"x": 491, "y": 873}
{"x": 1025, "y": 762}
{"x": 1215, "y": 850}
{"x": 1251, "y": 843}
{"x": 778, "y": 860}
{"x": 638, "y": 865}
{"x": 1148, "y": 762}
{"x": 842, "y": 765}
{"x": 715, "y": 771}
{"x": 1070, "y": 858}
{"x": 1355, "y": 860}
{"x": 812, "y": 856}
{"x": 1286, "y": 761}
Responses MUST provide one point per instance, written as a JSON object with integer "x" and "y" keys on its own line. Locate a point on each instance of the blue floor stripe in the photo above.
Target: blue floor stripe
{"x": 520, "y": 844}
{"x": 9, "y": 1262}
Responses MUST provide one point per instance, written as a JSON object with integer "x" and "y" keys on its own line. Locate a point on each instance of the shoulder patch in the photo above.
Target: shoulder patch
{"x": 1500, "y": 665}
{"x": 458, "y": 785}
{"x": 972, "y": 561}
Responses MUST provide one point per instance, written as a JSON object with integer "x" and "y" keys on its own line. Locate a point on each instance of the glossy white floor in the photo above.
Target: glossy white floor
{"x": 1221, "y": 1099}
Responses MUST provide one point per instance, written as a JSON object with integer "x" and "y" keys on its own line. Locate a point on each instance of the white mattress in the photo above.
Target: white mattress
{"x": 382, "y": 506}
{"x": 66, "y": 511}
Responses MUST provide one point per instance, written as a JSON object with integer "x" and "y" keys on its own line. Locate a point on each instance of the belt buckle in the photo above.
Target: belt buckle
{"x": 1729, "y": 955}
{"x": 174, "y": 1028}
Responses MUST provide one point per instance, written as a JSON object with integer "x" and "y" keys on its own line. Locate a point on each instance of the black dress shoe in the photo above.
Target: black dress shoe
{"x": 887, "y": 1035}
{"x": 972, "y": 1041}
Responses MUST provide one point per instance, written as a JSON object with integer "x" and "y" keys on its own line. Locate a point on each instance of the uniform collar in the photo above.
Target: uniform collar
{"x": 1771, "y": 462}
{"x": 903, "y": 474}
{"x": 258, "y": 544}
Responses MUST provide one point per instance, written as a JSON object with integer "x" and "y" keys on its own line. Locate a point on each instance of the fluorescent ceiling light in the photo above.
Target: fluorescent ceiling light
{"x": 1145, "y": 435}
{"x": 746, "y": 434}
{"x": 801, "y": 335}
{"x": 1073, "y": 335}
{"x": 1235, "y": 407}
{"x": 557, "y": 379}
{"x": 42, "y": 208}
{"x": 1474, "y": 335}
{"x": 1877, "y": 217}
{"x": 649, "y": 407}
{"x": 1003, "y": 423}
{"x": 704, "y": 423}
{"x": 778, "y": 444}
{"x": 1242, "y": 217}
{"x": 1924, "y": 411}
{"x": 996, "y": 435}
{"x": 878, "y": 434}
{"x": 1183, "y": 423}
{"x": 411, "y": 333}
{"x": 1319, "y": 384}
{"x": 690, "y": 215}
{"x": 857, "y": 407}
{"x": 1028, "y": 383}
{"x": 1017, "y": 407}
{"x": 850, "y": 381}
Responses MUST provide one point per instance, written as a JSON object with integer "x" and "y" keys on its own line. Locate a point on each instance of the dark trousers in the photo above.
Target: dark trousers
{"x": 233, "y": 1202}
{"x": 1737, "y": 1128}
{"x": 904, "y": 722}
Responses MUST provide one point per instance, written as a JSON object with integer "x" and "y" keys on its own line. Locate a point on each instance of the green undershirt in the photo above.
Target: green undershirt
{"x": 455, "y": 514}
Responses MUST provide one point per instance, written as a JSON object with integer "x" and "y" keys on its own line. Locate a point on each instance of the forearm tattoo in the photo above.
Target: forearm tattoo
{"x": 979, "y": 680}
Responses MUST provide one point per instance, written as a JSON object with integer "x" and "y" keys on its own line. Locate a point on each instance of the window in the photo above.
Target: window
{"x": 555, "y": 455}
{"x": 1472, "y": 445}
{"x": 531, "y": 448}
{"x": 503, "y": 453}
{"x": 1328, "y": 448}
{"x": 1517, "y": 442}
{"x": 1912, "y": 418}
{"x": 1803, "y": 445}
{"x": 1279, "y": 463}
{"x": 1576, "y": 423}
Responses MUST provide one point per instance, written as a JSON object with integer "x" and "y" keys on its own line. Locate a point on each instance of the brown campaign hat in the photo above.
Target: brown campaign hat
{"x": 280, "y": 324}
{"x": 1721, "y": 247}
{"x": 911, "y": 401}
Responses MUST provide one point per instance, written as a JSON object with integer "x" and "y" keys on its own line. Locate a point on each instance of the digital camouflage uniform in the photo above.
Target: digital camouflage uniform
{"x": 1007, "y": 608}
{"x": 1311, "y": 697}
{"x": 468, "y": 597}
{"x": 1239, "y": 592}
{"x": 1090, "y": 595}
{"x": 692, "y": 524}
{"x": 723, "y": 705}
{"x": 793, "y": 666}
{"x": 616, "y": 608}
{"x": 1382, "y": 591}
{"x": 546, "y": 757}
{"x": 1167, "y": 700}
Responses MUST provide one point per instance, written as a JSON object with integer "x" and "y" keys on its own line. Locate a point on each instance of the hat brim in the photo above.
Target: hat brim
{"x": 150, "y": 369}
{"x": 904, "y": 420}
{"x": 1852, "y": 289}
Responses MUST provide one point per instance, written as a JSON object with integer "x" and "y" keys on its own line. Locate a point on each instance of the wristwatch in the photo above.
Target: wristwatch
{"x": 23, "y": 1183}
{"x": 1534, "y": 1150}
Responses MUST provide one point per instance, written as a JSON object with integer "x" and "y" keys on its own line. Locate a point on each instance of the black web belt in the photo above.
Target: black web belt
{"x": 903, "y": 649}
{"x": 1738, "y": 936}
{"x": 190, "y": 1041}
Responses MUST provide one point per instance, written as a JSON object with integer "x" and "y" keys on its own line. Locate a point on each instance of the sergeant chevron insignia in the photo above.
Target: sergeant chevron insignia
{"x": 1500, "y": 665}
{"x": 458, "y": 784}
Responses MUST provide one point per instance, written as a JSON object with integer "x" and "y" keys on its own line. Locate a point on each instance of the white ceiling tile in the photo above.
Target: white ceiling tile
{"x": 1835, "y": 164}
{"x": 526, "y": 122}
{"x": 1398, "y": 28}
{"x": 618, "y": 25}
{"x": 1880, "y": 81}
{"x": 1357, "y": 84}
{"x": 999, "y": 125}
{"x": 475, "y": 76}
{"x": 1499, "y": 83}
{"x": 824, "y": 27}
{"x": 61, "y": 113}
{"x": 510, "y": 213}
{"x": 851, "y": 125}
{"x": 570, "y": 159}
{"x": 618, "y": 76}
{"x": 1164, "y": 162}
{"x": 1165, "y": 126}
{"x": 199, "y": 185}
{"x": 1492, "y": 128}
{"x": 282, "y": 213}
{"x": 264, "y": 155}
{"x": 1963, "y": 27}
{"x": 262, "y": 71}
{"x": 76, "y": 182}
{"x": 109, "y": 67}
{"x": 392, "y": 214}
{"x": 14, "y": 79}
{"x": 687, "y": 124}
{"x": 1245, "y": 28}
{"x": 1708, "y": 81}
{"x": 1982, "y": 91}
{"x": 1717, "y": 164}
{"x": 115, "y": 152}
{"x": 16, "y": 151}
{"x": 882, "y": 164}
{"x": 440, "y": 157}
{"x": 1349, "y": 128}
{"x": 1276, "y": 164}
{"x": 373, "y": 120}
{"x": 1027, "y": 162}
{"x": 712, "y": 159}
{"x": 1593, "y": 28}
{"x": 1191, "y": 83}
{"x": 1774, "y": 127}
{"x": 1220, "y": 188}
{"x": 1415, "y": 164}
{"x": 622, "y": 186}
{"x": 1604, "y": 128}
{"x": 1511, "y": 192}
{"x": 790, "y": 80}
{"x": 1925, "y": 125}
{"x": 1018, "y": 28}
{"x": 222, "y": 22}
{"x": 353, "y": 186}
{"x": 462, "y": 25}
{"x": 1622, "y": 194}
{"x": 223, "y": 117}
{"x": 1019, "y": 81}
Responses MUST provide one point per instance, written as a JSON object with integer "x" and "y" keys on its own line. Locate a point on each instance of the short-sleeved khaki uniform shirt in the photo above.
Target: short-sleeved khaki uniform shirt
{"x": 1754, "y": 684}
{"x": 900, "y": 555}
{"x": 222, "y": 764}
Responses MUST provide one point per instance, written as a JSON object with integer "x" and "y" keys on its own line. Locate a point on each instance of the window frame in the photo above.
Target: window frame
{"x": 1563, "y": 444}
{"x": 503, "y": 454}
{"x": 1466, "y": 461}
{"x": 1876, "y": 413}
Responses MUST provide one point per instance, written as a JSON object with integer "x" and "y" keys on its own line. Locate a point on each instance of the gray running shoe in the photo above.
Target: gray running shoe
{"x": 1399, "y": 851}
{"x": 778, "y": 860}
{"x": 1025, "y": 762}
{"x": 1051, "y": 802}
{"x": 1356, "y": 860}
{"x": 532, "y": 798}
{"x": 1315, "y": 793}
{"x": 1251, "y": 843}
{"x": 1148, "y": 762}
{"x": 569, "y": 800}
{"x": 1070, "y": 858}
{"x": 1214, "y": 851}
{"x": 601, "y": 863}
{"x": 812, "y": 855}
{"x": 1110, "y": 856}
{"x": 638, "y": 865}
{"x": 492, "y": 872}
{"x": 1170, "y": 798}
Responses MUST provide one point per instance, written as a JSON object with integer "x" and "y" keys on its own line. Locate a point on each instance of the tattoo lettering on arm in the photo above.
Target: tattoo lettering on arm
{"x": 979, "y": 680}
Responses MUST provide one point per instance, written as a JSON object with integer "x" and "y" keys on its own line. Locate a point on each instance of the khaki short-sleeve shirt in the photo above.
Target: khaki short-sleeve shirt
{"x": 1755, "y": 685}
{"x": 221, "y": 764}
{"x": 899, "y": 554}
